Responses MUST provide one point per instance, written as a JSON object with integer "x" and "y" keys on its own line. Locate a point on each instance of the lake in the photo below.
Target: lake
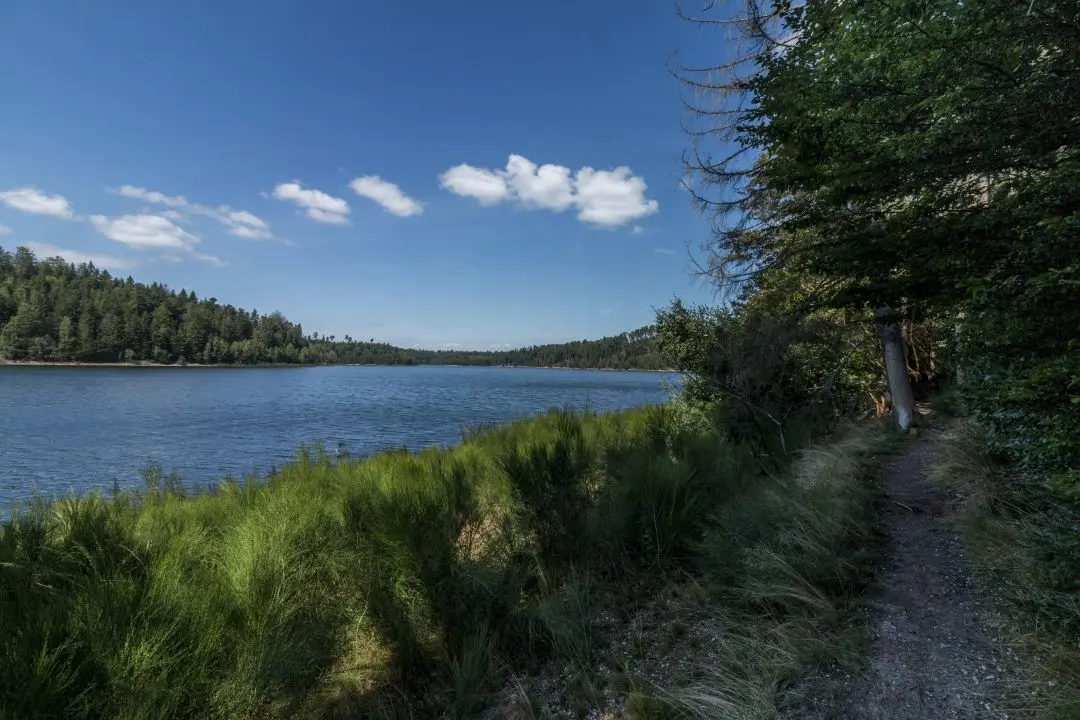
{"x": 65, "y": 429}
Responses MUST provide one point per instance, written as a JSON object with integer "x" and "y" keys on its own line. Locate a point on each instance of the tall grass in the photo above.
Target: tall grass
{"x": 1026, "y": 540}
{"x": 785, "y": 561}
{"x": 404, "y": 584}
{"x": 398, "y": 585}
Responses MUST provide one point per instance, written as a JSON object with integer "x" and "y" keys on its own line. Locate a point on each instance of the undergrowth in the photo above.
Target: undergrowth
{"x": 1025, "y": 538}
{"x": 421, "y": 585}
{"x": 784, "y": 566}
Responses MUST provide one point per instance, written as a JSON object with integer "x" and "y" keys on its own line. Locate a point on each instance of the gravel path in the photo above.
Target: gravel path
{"x": 933, "y": 654}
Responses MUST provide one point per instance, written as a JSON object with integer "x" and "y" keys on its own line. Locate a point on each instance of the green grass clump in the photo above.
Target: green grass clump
{"x": 408, "y": 584}
{"x": 403, "y": 584}
{"x": 785, "y": 561}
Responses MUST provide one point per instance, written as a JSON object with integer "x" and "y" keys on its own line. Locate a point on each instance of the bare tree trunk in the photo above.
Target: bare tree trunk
{"x": 958, "y": 342}
{"x": 892, "y": 348}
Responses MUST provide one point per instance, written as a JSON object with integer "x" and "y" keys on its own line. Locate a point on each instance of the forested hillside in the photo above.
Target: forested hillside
{"x": 52, "y": 310}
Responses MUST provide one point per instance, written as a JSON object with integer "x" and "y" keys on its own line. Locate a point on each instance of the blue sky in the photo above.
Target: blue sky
{"x": 477, "y": 174}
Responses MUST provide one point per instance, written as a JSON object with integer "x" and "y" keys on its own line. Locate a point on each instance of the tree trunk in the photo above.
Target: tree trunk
{"x": 958, "y": 341}
{"x": 892, "y": 348}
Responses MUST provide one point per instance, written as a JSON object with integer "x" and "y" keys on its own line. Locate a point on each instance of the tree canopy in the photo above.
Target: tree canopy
{"x": 53, "y": 310}
{"x": 922, "y": 155}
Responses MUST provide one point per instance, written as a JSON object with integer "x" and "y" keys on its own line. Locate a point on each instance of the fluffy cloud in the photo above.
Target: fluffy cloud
{"x": 487, "y": 186}
{"x": 611, "y": 197}
{"x": 5, "y": 230}
{"x": 387, "y": 194}
{"x": 606, "y": 198}
{"x": 547, "y": 187}
{"x": 145, "y": 232}
{"x": 32, "y": 200}
{"x": 77, "y": 257}
{"x": 320, "y": 206}
{"x": 240, "y": 223}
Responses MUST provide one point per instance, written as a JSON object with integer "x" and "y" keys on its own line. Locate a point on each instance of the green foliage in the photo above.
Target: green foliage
{"x": 925, "y": 156}
{"x": 337, "y": 584}
{"x": 402, "y": 585}
{"x": 51, "y": 310}
{"x": 764, "y": 372}
{"x": 548, "y": 482}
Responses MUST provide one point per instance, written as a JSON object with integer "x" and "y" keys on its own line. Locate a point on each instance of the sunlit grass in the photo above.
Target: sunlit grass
{"x": 402, "y": 585}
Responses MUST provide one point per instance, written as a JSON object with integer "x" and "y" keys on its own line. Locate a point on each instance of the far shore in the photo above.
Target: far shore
{"x": 149, "y": 364}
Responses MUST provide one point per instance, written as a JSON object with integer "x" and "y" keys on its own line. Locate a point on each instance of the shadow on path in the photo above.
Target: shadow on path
{"x": 933, "y": 652}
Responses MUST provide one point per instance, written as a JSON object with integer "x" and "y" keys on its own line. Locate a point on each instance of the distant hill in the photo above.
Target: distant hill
{"x": 51, "y": 310}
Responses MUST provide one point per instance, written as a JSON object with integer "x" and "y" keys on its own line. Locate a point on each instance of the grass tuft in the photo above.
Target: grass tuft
{"x": 1024, "y": 538}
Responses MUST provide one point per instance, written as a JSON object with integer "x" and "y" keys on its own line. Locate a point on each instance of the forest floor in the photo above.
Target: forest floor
{"x": 936, "y": 648}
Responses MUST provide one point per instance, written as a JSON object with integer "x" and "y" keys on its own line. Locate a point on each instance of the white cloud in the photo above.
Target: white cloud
{"x": 5, "y": 230}
{"x": 637, "y": 230}
{"x": 450, "y": 346}
{"x": 77, "y": 257}
{"x": 320, "y": 206}
{"x": 145, "y": 231}
{"x": 487, "y": 186}
{"x": 664, "y": 251}
{"x": 240, "y": 223}
{"x": 607, "y": 198}
{"x": 152, "y": 196}
{"x": 610, "y": 198}
{"x": 32, "y": 200}
{"x": 326, "y": 216}
{"x": 387, "y": 194}
{"x": 248, "y": 232}
{"x": 243, "y": 224}
{"x": 548, "y": 187}
{"x": 242, "y": 217}
{"x": 210, "y": 259}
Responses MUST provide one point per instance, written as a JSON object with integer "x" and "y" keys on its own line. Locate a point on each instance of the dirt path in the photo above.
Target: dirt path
{"x": 932, "y": 653}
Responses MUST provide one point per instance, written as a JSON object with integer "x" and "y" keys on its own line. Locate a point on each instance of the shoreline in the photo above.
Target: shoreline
{"x": 148, "y": 364}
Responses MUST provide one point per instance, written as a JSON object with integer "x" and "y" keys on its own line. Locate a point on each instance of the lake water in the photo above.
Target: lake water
{"x": 75, "y": 429}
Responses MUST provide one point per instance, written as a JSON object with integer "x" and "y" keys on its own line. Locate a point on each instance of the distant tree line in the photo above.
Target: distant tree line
{"x": 53, "y": 310}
